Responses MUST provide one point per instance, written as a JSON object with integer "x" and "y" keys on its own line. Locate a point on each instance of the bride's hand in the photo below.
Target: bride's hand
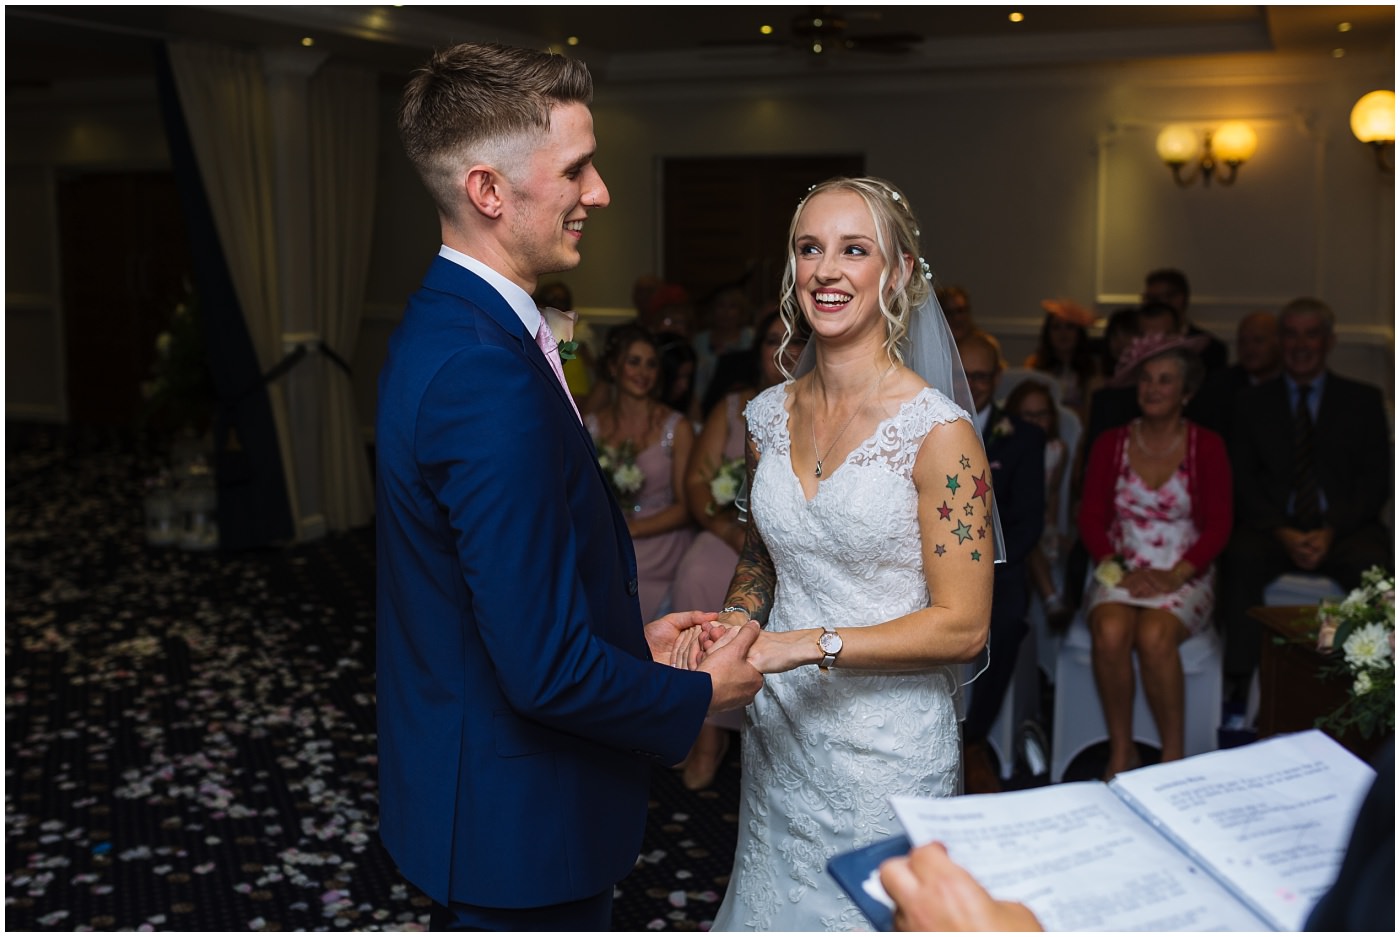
{"x": 689, "y": 650}
{"x": 776, "y": 652}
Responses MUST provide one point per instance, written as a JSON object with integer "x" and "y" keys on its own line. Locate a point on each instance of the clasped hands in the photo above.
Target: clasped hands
{"x": 1145, "y": 582}
{"x": 680, "y": 640}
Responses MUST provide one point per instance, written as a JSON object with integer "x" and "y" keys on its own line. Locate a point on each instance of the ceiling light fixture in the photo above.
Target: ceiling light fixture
{"x": 307, "y": 41}
{"x": 1016, "y": 17}
{"x": 1373, "y": 122}
{"x": 1231, "y": 143}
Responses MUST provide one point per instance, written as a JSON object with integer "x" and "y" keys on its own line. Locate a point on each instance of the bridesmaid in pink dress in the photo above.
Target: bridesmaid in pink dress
{"x": 657, "y": 516}
{"x": 703, "y": 578}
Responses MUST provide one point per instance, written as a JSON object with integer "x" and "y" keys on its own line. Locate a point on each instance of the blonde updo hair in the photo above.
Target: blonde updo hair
{"x": 897, "y": 238}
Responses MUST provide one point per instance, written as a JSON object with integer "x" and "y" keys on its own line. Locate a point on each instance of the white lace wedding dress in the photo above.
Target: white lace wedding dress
{"x": 823, "y": 752}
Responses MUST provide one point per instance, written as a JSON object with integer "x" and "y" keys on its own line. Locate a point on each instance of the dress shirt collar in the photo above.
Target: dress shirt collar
{"x": 980, "y": 418}
{"x": 1314, "y": 393}
{"x": 519, "y": 300}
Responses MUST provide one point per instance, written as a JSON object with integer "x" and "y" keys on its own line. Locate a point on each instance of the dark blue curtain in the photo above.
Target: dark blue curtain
{"x": 254, "y": 509}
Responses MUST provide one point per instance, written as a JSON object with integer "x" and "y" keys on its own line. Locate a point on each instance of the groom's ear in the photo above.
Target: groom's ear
{"x": 483, "y": 191}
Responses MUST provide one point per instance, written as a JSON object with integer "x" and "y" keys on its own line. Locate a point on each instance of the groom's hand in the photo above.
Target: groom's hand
{"x": 665, "y": 638}
{"x": 734, "y": 681}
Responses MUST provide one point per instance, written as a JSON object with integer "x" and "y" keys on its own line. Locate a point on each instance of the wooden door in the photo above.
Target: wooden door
{"x": 725, "y": 219}
{"x": 123, "y": 259}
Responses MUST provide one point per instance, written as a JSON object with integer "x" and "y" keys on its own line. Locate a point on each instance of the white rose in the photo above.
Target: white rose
{"x": 1109, "y": 573}
{"x": 1362, "y": 686}
{"x": 561, "y": 323}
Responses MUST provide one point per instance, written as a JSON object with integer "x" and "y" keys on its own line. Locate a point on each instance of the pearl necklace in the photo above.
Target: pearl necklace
{"x": 1157, "y": 453}
{"x": 864, "y": 400}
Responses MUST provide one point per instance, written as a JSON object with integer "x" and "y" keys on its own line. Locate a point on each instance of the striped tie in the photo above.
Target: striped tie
{"x": 1306, "y": 513}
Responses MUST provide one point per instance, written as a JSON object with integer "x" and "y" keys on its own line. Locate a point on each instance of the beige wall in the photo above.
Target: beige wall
{"x": 1029, "y": 183}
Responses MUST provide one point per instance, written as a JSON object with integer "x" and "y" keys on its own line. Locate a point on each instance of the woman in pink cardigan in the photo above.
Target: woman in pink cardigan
{"x": 1156, "y": 511}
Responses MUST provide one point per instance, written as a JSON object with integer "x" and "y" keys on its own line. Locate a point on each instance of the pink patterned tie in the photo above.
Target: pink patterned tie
{"x": 545, "y": 339}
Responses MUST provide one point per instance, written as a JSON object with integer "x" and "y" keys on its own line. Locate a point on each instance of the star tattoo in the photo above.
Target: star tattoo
{"x": 981, "y": 487}
{"x": 953, "y": 485}
{"x": 981, "y": 533}
{"x": 945, "y": 512}
{"x": 976, "y": 556}
{"x": 939, "y": 550}
{"x": 965, "y": 462}
{"x": 963, "y": 531}
{"x": 967, "y": 509}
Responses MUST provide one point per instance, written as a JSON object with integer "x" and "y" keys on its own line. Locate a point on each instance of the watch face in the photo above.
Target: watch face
{"x": 829, "y": 642}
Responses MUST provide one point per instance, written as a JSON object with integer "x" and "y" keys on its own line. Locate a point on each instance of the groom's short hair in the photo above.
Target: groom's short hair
{"x": 482, "y": 102}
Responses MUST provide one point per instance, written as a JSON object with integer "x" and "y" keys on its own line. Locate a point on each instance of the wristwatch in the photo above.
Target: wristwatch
{"x": 829, "y": 641}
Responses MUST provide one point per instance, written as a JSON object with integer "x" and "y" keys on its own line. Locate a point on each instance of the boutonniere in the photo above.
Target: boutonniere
{"x": 561, "y": 326}
{"x": 1002, "y": 428}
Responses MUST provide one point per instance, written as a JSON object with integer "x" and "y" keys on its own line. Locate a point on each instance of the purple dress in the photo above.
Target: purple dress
{"x": 658, "y": 556}
{"x": 702, "y": 581}
{"x": 703, "y": 578}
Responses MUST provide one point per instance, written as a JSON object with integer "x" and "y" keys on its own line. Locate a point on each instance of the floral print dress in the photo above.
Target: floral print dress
{"x": 1152, "y": 527}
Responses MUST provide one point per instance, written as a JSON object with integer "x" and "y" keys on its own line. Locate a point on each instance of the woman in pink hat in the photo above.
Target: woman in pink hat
{"x": 1064, "y": 353}
{"x": 1156, "y": 511}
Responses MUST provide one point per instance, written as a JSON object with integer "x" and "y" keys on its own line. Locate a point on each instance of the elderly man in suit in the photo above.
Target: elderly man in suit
{"x": 1016, "y": 456}
{"x": 1311, "y": 456}
{"x": 522, "y": 705}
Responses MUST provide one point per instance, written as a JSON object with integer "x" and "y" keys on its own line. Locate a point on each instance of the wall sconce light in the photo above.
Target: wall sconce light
{"x": 1373, "y": 122}
{"x": 1232, "y": 144}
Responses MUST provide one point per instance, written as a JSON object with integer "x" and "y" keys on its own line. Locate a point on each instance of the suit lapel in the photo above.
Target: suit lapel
{"x": 452, "y": 278}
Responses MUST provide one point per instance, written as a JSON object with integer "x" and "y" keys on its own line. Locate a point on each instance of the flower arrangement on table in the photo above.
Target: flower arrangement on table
{"x": 1358, "y": 636}
{"x": 180, "y": 393}
{"x": 619, "y": 464}
{"x": 725, "y": 486}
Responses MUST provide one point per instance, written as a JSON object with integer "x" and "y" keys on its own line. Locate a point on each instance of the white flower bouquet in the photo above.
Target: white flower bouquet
{"x": 619, "y": 464}
{"x": 1358, "y": 634}
{"x": 725, "y": 486}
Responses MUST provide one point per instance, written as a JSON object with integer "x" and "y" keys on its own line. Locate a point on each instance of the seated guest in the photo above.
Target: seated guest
{"x": 1171, "y": 287}
{"x": 1118, "y": 333}
{"x": 657, "y": 441}
{"x": 1116, "y": 404}
{"x": 1065, "y": 354}
{"x": 1257, "y": 359}
{"x": 1312, "y": 457}
{"x": 678, "y": 364}
{"x": 702, "y": 579}
{"x": 1016, "y": 457}
{"x": 727, "y": 329}
{"x": 957, "y": 310}
{"x": 1156, "y": 511}
{"x": 1034, "y": 403}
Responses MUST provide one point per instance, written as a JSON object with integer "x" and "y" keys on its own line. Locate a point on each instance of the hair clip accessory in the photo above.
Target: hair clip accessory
{"x": 928, "y": 274}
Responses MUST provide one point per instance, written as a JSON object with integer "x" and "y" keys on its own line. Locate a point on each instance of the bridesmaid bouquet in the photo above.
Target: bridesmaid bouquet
{"x": 619, "y": 464}
{"x": 1358, "y": 635}
{"x": 728, "y": 481}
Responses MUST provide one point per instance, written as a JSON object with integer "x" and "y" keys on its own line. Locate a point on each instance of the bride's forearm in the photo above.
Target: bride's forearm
{"x": 754, "y": 579}
{"x": 927, "y": 638}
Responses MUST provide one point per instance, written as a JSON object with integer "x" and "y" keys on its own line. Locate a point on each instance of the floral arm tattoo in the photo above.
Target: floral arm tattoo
{"x": 754, "y": 578}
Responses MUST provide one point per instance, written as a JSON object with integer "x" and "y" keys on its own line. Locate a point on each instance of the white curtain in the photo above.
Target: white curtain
{"x": 224, "y": 99}
{"x": 344, "y": 144}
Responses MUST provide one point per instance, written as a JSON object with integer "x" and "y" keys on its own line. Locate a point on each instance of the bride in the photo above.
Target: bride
{"x": 869, "y": 562}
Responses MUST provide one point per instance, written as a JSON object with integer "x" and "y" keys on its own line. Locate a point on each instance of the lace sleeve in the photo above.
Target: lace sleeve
{"x": 767, "y": 419}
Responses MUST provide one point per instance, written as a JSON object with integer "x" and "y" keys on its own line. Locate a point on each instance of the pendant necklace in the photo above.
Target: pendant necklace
{"x": 864, "y": 400}
{"x": 1156, "y": 453}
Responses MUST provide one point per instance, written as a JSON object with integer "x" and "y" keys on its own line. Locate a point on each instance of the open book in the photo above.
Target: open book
{"x": 1242, "y": 839}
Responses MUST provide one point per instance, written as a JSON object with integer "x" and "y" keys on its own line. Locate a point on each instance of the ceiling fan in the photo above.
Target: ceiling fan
{"x": 824, "y": 30}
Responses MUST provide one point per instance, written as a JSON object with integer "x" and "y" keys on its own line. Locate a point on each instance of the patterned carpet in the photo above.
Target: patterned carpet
{"x": 190, "y": 736}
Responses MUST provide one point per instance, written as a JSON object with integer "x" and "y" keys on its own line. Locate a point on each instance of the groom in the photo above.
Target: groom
{"x": 521, "y": 705}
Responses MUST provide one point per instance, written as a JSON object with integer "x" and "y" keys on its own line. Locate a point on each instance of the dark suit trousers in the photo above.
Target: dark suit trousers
{"x": 1254, "y": 559}
{"x": 588, "y": 914}
{"x": 1008, "y": 628}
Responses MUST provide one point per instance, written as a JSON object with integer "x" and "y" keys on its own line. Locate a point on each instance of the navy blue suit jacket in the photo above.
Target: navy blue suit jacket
{"x": 519, "y": 710}
{"x": 1017, "y": 461}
